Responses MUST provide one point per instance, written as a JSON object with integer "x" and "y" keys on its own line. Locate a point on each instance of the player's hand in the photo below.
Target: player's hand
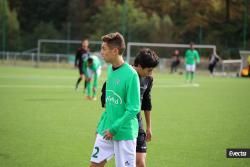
{"x": 148, "y": 135}
{"x": 88, "y": 79}
{"x": 94, "y": 89}
{"x": 107, "y": 135}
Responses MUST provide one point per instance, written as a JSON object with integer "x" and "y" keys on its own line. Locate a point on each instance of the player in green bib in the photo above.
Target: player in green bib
{"x": 92, "y": 69}
{"x": 191, "y": 58}
{"x": 118, "y": 127}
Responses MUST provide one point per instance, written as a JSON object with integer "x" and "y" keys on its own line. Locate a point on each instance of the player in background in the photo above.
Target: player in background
{"x": 144, "y": 63}
{"x": 213, "y": 60}
{"x": 175, "y": 61}
{"x": 93, "y": 72}
{"x": 118, "y": 128}
{"x": 81, "y": 54}
{"x": 191, "y": 58}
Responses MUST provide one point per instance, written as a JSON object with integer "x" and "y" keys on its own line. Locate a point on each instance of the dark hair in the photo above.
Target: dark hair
{"x": 90, "y": 60}
{"x": 146, "y": 58}
{"x": 85, "y": 39}
{"x": 191, "y": 44}
{"x": 115, "y": 40}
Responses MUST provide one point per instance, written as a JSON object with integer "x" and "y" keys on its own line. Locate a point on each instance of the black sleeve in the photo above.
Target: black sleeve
{"x": 146, "y": 101}
{"x": 103, "y": 96}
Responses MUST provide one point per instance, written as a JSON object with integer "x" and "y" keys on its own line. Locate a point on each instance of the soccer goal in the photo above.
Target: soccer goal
{"x": 165, "y": 50}
{"x": 231, "y": 67}
{"x": 235, "y": 66}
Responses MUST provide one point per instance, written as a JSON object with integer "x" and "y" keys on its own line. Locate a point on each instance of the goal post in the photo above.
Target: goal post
{"x": 63, "y": 44}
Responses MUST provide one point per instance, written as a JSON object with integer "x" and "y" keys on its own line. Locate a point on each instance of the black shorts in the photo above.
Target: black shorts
{"x": 141, "y": 146}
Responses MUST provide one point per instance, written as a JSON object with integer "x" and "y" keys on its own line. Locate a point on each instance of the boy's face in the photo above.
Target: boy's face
{"x": 108, "y": 53}
{"x": 192, "y": 46}
{"x": 85, "y": 44}
{"x": 143, "y": 72}
{"x": 90, "y": 64}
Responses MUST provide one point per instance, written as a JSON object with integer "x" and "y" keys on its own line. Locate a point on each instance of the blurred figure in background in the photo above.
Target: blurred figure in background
{"x": 191, "y": 58}
{"x": 213, "y": 60}
{"x": 81, "y": 54}
{"x": 175, "y": 61}
{"x": 92, "y": 72}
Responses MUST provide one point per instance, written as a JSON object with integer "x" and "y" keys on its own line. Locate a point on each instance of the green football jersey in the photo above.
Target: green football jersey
{"x": 96, "y": 63}
{"x": 94, "y": 67}
{"x": 122, "y": 104}
{"x": 192, "y": 56}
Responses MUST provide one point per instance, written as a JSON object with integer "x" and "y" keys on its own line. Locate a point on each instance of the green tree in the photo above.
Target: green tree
{"x": 9, "y": 27}
{"x": 31, "y": 13}
{"x": 41, "y": 31}
{"x": 139, "y": 25}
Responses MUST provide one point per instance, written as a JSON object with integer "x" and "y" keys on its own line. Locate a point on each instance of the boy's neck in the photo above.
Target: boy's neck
{"x": 118, "y": 62}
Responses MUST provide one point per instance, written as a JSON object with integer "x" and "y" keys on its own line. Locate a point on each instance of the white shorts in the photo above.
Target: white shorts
{"x": 190, "y": 67}
{"x": 124, "y": 151}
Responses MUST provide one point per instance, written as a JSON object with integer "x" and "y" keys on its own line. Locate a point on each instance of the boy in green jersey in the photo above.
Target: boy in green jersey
{"x": 144, "y": 64}
{"x": 118, "y": 128}
{"x": 92, "y": 68}
{"x": 191, "y": 58}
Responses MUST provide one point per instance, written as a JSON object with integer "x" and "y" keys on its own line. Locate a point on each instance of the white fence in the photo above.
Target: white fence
{"x": 32, "y": 59}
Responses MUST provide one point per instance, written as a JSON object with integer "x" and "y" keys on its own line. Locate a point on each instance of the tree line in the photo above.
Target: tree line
{"x": 224, "y": 23}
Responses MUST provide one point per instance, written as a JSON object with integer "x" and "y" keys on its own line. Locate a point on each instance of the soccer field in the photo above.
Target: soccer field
{"x": 45, "y": 123}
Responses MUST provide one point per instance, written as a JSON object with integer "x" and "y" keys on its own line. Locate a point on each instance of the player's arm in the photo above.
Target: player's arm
{"x": 95, "y": 82}
{"x": 197, "y": 57}
{"x": 147, "y": 106}
{"x": 132, "y": 104}
{"x": 147, "y": 114}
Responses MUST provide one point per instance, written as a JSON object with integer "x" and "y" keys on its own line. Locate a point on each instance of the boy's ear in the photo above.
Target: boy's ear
{"x": 116, "y": 50}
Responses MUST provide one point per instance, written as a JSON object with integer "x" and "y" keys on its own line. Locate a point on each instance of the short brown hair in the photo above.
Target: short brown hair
{"x": 115, "y": 40}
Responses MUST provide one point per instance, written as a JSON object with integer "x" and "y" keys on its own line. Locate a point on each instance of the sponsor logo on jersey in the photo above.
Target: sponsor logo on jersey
{"x": 113, "y": 97}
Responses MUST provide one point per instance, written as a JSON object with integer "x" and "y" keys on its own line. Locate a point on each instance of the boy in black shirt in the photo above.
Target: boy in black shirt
{"x": 81, "y": 54}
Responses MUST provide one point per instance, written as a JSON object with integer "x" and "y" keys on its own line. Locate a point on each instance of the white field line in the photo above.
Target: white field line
{"x": 72, "y": 86}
